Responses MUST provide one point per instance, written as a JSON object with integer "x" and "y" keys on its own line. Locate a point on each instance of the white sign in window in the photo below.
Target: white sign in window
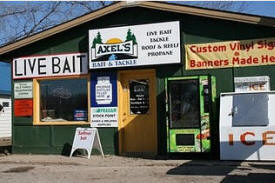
{"x": 103, "y": 90}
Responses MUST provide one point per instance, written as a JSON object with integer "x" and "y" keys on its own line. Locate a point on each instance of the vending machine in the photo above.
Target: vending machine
{"x": 189, "y": 106}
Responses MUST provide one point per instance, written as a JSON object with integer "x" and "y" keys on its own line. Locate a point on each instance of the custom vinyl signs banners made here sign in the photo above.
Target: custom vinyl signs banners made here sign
{"x": 241, "y": 53}
{"x": 50, "y": 65}
{"x": 148, "y": 44}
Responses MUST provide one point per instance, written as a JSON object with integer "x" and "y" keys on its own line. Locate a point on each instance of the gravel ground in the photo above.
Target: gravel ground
{"x": 59, "y": 169}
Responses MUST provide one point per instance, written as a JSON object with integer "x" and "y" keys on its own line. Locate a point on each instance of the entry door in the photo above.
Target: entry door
{"x": 137, "y": 112}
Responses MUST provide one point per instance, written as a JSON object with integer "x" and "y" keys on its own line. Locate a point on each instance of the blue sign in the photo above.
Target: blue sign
{"x": 80, "y": 115}
{"x": 104, "y": 89}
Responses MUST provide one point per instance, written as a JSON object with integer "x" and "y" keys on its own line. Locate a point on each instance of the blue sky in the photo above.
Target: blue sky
{"x": 263, "y": 8}
{"x": 5, "y": 75}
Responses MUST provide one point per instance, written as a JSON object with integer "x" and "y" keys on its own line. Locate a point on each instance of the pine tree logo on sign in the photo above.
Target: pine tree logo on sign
{"x": 114, "y": 48}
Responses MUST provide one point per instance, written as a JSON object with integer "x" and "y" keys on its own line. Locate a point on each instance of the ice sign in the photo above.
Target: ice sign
{"x": 103, "y": 90}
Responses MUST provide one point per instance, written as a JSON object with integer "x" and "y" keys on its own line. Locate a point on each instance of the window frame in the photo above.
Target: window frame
{"x": 36, "y": 101}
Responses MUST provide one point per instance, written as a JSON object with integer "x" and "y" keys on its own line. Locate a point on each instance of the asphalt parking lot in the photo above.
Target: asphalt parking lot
{"x": 56, "y": 168}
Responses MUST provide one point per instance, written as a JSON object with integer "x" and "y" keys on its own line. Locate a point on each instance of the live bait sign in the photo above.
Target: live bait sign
{"x": 50, "y": 65}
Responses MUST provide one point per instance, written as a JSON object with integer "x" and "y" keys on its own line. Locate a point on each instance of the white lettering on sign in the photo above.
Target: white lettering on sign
{"x": 106, "y": 49}
{"x": 50, "y": 65}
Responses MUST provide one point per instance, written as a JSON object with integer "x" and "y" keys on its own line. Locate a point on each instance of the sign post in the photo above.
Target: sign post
{"x": 88, "y": 139}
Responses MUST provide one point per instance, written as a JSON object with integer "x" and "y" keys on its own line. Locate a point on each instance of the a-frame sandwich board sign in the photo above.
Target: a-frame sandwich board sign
{"x": 88, "y": 139}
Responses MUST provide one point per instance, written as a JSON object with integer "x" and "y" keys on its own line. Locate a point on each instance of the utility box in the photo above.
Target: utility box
{"x": 247, "y": 126}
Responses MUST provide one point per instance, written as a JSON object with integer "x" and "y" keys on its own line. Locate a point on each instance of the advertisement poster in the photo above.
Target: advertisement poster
{"x": 104, "y": 110}
{"x": 240, "y": 53}
{"x": 147, "y": 44}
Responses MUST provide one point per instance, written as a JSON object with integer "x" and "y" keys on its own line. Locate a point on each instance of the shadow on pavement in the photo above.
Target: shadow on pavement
{"x": 206, "y": 168}
{"x": 264, "y": 166}
{"x": 250, "y": 178}
{"x": 232, "y": 171}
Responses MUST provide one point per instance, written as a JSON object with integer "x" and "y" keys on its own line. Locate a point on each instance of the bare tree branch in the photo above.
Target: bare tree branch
{"x": 43, "y": 18}
{"x": 26, "y": 18}
{"x": 3, "y": 15}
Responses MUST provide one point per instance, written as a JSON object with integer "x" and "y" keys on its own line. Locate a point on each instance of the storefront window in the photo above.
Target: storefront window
{"x": 63, "y": 100}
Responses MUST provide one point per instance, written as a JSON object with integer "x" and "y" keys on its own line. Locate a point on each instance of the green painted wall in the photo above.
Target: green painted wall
{"x": 55, "y": 139}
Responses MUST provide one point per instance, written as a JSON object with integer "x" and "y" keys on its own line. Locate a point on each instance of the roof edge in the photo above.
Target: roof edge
{"x": 211, "y": 13}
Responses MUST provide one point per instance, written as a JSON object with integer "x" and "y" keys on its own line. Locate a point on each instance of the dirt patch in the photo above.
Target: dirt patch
{"x": 19, "y": 169}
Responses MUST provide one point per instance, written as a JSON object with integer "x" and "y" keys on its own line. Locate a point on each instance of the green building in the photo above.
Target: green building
{"x": 148, "y": 75}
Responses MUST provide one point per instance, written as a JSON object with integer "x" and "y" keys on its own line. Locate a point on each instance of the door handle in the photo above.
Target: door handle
{"x": 234, "y": 111}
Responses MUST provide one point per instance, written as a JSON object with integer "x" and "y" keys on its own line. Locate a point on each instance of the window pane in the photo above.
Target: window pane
{"x": 139, "y": 96}
{"x": 250, "y": 109}
{"x": 184, "y": 104}
{"x": 63, "y": 100}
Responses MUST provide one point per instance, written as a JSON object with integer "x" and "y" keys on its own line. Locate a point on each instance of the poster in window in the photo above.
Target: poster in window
{"x": 104, "y": 90}
{"x": 139, "y": 96}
